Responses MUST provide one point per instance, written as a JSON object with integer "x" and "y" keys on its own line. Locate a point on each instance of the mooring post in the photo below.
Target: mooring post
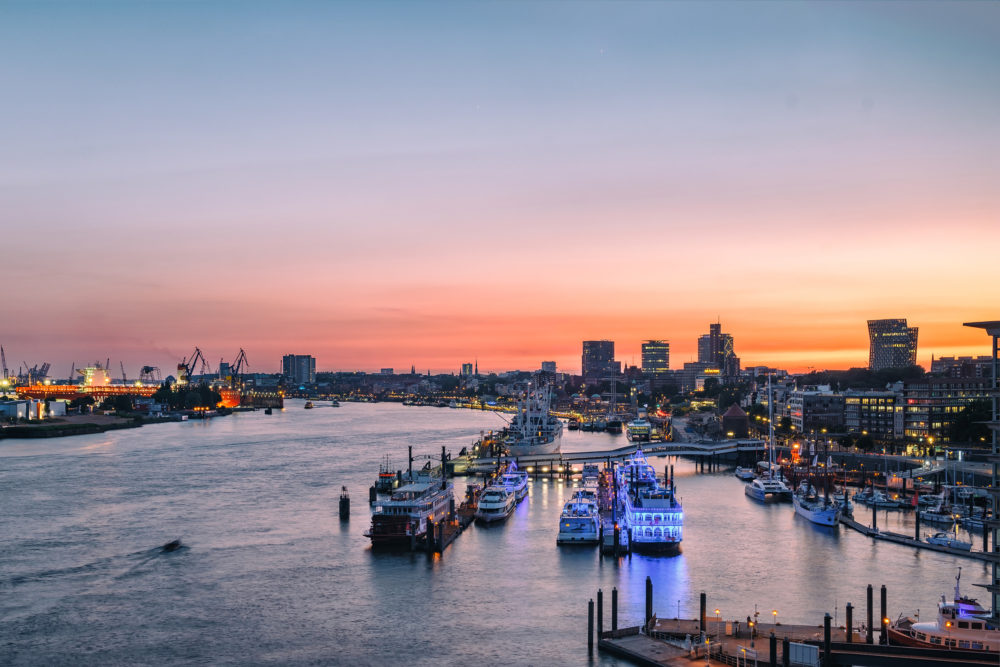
{"x": 786, "y": 658}
{"x": 701, "y": 618}
{"x": 875, "y": 518}
{"x": 883, "y": 619}
{"x": 916, "y": 532}
{"x": 590, "y": 627}
{"x": 618, "y": 538}
{"x": 850, "y": 623}
{"x": 614, "y": 610}
{"x": 600, "y": 614}
{"x": 871, "y": 615}
{"x": 649, "y": 600}
{"x": 774, "y": 650}
{"x": 826, "y": 640}
{"x": 986, "y": 534}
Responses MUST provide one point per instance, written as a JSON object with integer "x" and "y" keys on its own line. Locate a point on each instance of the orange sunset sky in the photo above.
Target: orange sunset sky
{"x": 428, "y": 183}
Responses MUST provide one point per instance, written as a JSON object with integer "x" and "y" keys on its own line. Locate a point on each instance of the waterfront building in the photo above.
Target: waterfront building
{"x": 815, "y": 410}
{"x": 878, "y": 414}
{"x": 655, "y": 358}
{"x": 548, "y": 367}
{"x": 892, "y": 344}
{"x": 599, "y": 359}
{"x": 931, "y": 405}
{"x": 963, "y": 367}
{"x": 735, "y": 422}
{"x": 299, "y": 368}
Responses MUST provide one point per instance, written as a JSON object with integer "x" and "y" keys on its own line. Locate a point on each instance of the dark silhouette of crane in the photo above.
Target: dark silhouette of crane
{"x": 238, "y": 368}
{"x": 185, "y": 369}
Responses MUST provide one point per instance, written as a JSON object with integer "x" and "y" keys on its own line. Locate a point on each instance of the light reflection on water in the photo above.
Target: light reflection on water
{"x": 271, "y": 574}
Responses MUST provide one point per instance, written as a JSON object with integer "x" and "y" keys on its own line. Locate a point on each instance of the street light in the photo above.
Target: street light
{"x": 774, "y": 612}
{"x": 718, "y": 626}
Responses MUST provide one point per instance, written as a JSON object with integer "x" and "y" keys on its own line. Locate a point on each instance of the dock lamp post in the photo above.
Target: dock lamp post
{"x": 718, "y": 626}
{"x": 774, "y": 612}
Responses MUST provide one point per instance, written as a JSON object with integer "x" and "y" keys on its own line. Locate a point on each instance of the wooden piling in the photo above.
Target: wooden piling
{"x": 850, "y": 622}
{"x": 786, "y": 657}
{"x": 600, "y": 614}
{"x": 826, "y": 640}
{"x": 590, "y": 627}
{"x": 614, "y": 610}
{"x": 649, "y": 600}
{"x": 702, "y": 615}
{"x": 871, "y": 616}
{"x": 774, "y": 650}
{"x": 883, "y": 639}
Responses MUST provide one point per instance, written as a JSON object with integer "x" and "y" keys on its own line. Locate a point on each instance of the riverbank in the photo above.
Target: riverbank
{"x": 78, "y": 425}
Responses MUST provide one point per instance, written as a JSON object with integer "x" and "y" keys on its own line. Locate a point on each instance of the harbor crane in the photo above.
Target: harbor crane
{"x": 122, "y": 364}
{"x": 150, "y": 375}
{"x": 3, "y": 361}
{"x": 185, "y": 369}
{"x": 238, "y": 368}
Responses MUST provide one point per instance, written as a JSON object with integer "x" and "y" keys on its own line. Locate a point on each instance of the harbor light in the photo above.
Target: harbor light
{"x": 774, "y": 612}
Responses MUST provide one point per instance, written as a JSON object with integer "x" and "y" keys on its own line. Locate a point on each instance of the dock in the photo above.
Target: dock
{"x": 909, "y": 541}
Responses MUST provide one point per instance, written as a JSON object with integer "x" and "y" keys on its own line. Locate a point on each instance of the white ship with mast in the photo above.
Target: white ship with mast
{"x": 533, "y": 430}
{"x": 769, "y": 487}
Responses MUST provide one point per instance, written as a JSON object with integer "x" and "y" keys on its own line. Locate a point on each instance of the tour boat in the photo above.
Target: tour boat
{"x": 580, "y": 522}
{"x": 591, "y": 471}
{"x": 638, "y": 430}
{"x": 402, "y": 519}
{"x": 515, "y": 481}
{"x": 533, "y": 430}
{"x": 962, "y": 624}
{"x": 652, "y": 514}
{"x": 496, "y": 503}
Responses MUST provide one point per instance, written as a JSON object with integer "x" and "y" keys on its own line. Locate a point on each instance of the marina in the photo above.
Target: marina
{"x": 255, "y": 501}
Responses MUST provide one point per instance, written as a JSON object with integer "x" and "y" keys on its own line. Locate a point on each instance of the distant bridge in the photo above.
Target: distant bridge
{"x": 697, "y": 449}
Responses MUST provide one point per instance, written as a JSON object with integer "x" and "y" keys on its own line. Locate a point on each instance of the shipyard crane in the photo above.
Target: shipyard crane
{"x": 122, "y": 364}
{"x": 185, "y": 369}
{"x": 238, "y": 368}
{"x": 3, "y": 361}
{"x": 150, "y": 375}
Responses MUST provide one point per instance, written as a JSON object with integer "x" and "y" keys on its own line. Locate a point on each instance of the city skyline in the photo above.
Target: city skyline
{"x": 449, "y": 181}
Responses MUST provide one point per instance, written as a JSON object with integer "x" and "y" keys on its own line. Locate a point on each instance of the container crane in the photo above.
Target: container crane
{"x": 238, "y": 368}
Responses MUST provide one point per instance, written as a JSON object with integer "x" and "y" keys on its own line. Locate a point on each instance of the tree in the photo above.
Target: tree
{"x": 866, "y": 443}
{"x": 966, "y": 426}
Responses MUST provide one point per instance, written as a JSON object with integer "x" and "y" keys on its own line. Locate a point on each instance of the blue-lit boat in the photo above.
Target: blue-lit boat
{"x": 650, "y": 512}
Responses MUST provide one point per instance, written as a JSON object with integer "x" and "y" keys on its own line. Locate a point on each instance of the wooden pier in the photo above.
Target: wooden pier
{"x": 907, "y": 540}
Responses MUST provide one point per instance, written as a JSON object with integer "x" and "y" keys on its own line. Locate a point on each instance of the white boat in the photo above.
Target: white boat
{"x": 533, "y": 430}
{"x": 495, "y": 504}
{"x": 652, "y": 514}
{"x": 950, "y": 539}
{"x": 638, "y": 430}
{"x": 941, "y": 515}
{"x": 591, "y": 471}
{"x": 402, "y": 519}
{"x": 580, "y": 522}
{"x": 769, "y": 487}
{"x": 818, "y": 509}
{"x": 962, "y": 624}
{"x": 515, "y": 481}
{"x": 746, "y": 474}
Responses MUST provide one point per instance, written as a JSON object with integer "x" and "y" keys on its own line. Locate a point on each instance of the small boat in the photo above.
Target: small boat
{"x": 638, "y": 430}
{"x": 767, "y": 490}
{"x": 591, "y": 471}
{"x": 880, "y": 500}
{"x": 496, "y": 503}
{"x": 746, "y": 474}
{"x": 613, "y": 424}
{"x": 573, "y": 424}
{"x": 308, "y": 405}
{"x": 950, "y": 539}
{"x": 580, "y": 522}
{"x": 961, "y": 624}
{"x": 941, "y": 515}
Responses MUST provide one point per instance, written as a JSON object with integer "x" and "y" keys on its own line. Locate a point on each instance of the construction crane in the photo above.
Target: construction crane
{"x": 238, "y": 368}
{"x": 3, "y": 362}
{"x": 122, "y": 364}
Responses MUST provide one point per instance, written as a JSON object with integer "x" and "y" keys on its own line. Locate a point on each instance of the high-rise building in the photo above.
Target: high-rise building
{"x": 466, "y": 370}
{"x": 385, "y": 371}
{"x": 548, "y": 367}
{"x": 716, "y": 347}
{"x": 655, "y": 357}
{"x": 892, "y": 344}
{"x": 299, "y": 368}
{"x": 599, "y": 359}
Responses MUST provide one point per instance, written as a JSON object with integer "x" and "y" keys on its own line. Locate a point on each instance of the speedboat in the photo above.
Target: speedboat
{"x": 949, "y": 539}
{"x": 746, "y": 474}
{"x": 962, "y": 624}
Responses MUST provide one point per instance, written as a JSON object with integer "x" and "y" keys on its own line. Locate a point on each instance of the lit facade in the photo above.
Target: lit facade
{"x": 931, "y": 406}
{"x": 717, "y": 348}
{"x": 655, "y": 357}
{"x": 599, "y": 359}
{"x": 815, "y": 410}
{"x": 892, "y": 344}
{"x": 548, "y": 367}
{"x": 878, "y": 414}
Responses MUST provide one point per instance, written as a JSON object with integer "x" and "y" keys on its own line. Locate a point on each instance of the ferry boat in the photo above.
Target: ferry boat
{"x": 516, "y": 481}
{"x": 638, "y": 430}
{"x": 580, "y": 522}
{"x": 961, "y": 624}
{"x": 652, "y": 514}
{"x": 496, "y": 503}
{"x": 767, "y": 490}
{"x": 402, "y": 519}
{"x": 533, "y": 430}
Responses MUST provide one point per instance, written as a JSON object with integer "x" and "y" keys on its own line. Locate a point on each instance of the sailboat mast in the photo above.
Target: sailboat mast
{"x": 770, "y": 423}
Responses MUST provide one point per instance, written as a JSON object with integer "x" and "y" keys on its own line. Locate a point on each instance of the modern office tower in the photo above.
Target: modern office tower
{"x": 299, "y": 368}
{"x": 892, "y": 344}
{"x": 466, "y": 370}
{"x": 655, "y": 357}
{"x": 716, "y": 347}
{"x": 548, "y": 367}
{"x": 599, "y": 359}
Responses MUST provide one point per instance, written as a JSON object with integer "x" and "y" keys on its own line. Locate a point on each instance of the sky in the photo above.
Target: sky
{"x": 394, "y": 183}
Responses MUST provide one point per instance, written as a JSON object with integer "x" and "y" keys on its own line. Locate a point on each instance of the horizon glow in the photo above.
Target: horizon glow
{"x": 389, "y": 184}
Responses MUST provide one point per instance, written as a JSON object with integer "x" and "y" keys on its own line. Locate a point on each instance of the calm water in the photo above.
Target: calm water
{"x": 270, "y": 575}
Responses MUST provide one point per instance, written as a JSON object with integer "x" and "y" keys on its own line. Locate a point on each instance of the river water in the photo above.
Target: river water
{"x": 269, "y": 574}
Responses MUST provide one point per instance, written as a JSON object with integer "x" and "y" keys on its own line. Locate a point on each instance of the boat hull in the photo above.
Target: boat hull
{"x": 760, "y": 496}
{"x": 658, "y": 548}
{"x": 528, "y": 450}
{"x": 822, "y": 517}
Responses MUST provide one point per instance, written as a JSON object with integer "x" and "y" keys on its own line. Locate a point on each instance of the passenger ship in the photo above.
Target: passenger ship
{"x": 533, "y": 430}
{"x": 651, "y": 513}
{"x": 959, "y": 625}
{"x": 496, "y": 503}
{"x": 402, "y": 519}
{"x": 580, "y": 522}
{"x": 515, "y": 481}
